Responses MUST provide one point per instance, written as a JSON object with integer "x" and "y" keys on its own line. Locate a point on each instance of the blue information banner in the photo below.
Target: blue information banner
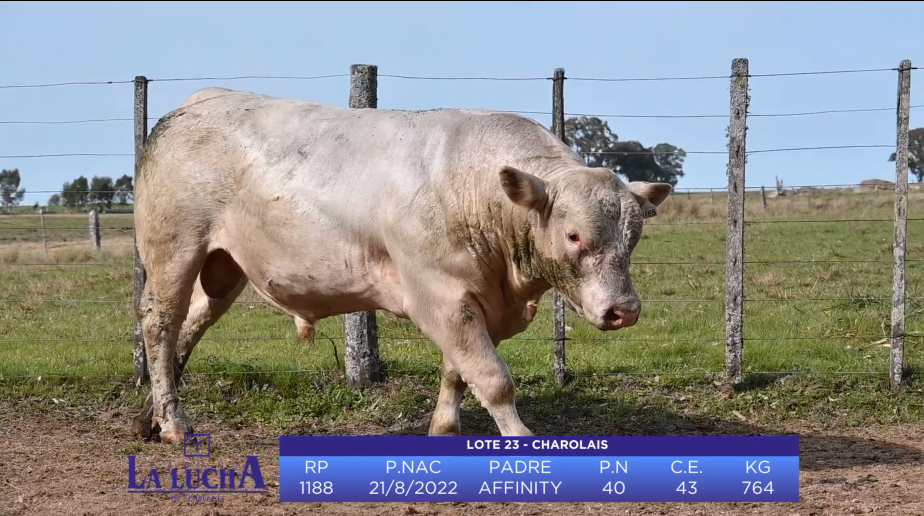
{"x": 538, "y": 469}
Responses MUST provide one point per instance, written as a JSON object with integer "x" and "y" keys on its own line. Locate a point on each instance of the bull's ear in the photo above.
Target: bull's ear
{"x": 523, "y": 189}
{"x": 649, "y": 195}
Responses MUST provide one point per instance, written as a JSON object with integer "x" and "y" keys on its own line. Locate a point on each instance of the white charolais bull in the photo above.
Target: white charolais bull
{"x": 458, "y": 220}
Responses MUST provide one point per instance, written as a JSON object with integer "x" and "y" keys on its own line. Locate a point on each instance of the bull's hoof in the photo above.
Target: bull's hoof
{"x": 174, "y": 436}
{"x": 175, "y": 433}
{"x": 171, "y": 437}
{"x": 141, "y": 427}
{"x": 440, "y": 429}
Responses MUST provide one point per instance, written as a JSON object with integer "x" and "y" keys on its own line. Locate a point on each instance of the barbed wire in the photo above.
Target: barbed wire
{"x": 725, "y": 76}
{"x": 63, "y": 228}
{"x": 433, "y": 370}
{"x": 549, "y": 301}
{"x": 64, "y": 155}
{"x": 527, "y": 112}
{"x": 645, "y": 152}
{"x": 250, "y": 77}
{"x": 293, "y": 338}
{"x": 57, "y": 122}
{"x": 725, "y": 152}
{"x": 823, "y": 147}
{"x": 693, "y": 223}
{"x": 65, "y": 264}
{"x": 716, "y": 189}
{"x": 724, "y": 188}
{"x": 776, "y": 221}
{"x": 69, "y": 83}
{"x": 728, "y": 76}
{"x": 709, "y": 263}
{"x": 720, "y": 116}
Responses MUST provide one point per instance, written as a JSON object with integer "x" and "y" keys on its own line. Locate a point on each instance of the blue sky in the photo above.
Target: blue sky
{"x": 91, "y": 41}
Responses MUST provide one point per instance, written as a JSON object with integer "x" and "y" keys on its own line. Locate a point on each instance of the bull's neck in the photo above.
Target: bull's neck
{"x": 522, "y": 238}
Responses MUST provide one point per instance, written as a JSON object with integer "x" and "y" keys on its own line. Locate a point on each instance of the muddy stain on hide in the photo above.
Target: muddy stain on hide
{"x": 163, "y": 125}
{"x": 468, "y": 313}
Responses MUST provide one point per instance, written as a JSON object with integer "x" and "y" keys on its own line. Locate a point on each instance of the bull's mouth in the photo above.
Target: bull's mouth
{"x": 603, "y": 325}
{"x": 574, "y": 307}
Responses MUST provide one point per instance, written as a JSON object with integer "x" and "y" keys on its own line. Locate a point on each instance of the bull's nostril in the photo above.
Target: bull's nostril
{"x": 612, "y": 315}
{"x": 619, "y": 318}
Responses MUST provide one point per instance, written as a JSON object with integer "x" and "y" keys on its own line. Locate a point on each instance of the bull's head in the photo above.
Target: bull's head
{"x": 584, "y": 225}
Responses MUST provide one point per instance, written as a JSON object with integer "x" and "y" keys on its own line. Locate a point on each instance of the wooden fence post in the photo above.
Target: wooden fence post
{"x": 361, "y": 355}
{"x": 734, "y": 243}
{"x": 139, "y": 277}
{"x": 558, "y": 305}
{"x": 44, "y": 234}
{"x": 897, "y": 354}
{"x": 94, "y": 229}
{"x": 763, "y": 197}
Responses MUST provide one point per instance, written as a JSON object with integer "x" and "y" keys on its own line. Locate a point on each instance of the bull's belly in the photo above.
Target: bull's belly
{"x": 314, "y": 284}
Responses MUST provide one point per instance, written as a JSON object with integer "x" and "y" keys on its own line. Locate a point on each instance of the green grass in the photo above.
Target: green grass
{"x": 670, "y": 359}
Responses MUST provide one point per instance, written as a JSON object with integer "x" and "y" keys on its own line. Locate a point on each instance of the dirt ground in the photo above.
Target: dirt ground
{"x": 51, "y": 464}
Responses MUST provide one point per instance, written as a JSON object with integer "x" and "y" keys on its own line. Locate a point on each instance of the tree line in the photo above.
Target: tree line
{"x": 664, "y": 162}
{"x": 101, "y": 191}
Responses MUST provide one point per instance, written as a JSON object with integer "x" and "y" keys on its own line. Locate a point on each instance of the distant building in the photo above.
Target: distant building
{"x": 872, "y": 184}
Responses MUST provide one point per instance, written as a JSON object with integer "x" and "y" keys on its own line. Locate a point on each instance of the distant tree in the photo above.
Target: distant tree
{"x": 102, "y": 191}
{"x": 76, "y": 193}
{"x": 10, "y": 192}
{"x": 124, "y": 189}
{"x": 915, "y": 153}
{"x": 670, "y": 159}
{"x": 631, "y": 159}
{"x": 54, "y": 200}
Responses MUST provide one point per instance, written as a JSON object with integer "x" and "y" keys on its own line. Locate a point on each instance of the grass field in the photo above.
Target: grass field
{"x": 65, "y": 330}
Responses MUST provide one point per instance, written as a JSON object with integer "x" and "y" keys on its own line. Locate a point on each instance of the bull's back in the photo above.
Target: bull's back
{"x": 285, "y": 144}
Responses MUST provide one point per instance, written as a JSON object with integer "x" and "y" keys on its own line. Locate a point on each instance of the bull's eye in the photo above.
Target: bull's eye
{"x": 572, "y": 237}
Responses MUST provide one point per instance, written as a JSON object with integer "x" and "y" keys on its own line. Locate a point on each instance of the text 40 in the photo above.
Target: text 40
{"x": 614, "y": 488}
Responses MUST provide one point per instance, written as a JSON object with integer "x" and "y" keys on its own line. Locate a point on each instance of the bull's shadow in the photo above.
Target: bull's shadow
{"x": 577, "y": 413}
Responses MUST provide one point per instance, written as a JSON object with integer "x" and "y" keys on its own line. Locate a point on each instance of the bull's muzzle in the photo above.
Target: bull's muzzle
{"x": 619, "y": 316}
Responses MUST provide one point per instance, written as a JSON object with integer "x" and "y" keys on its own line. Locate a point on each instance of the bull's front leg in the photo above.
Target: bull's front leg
{"x": 445, "y": 420}
{"x": 457, "y": 327}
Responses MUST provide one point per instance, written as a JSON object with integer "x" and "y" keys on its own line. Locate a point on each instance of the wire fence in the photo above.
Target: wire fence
{"x": 688, "y": 209}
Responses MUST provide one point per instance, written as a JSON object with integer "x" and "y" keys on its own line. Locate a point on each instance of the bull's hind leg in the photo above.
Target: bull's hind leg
{"x": 172, "y": 271}
{"x": 219, "y": 284}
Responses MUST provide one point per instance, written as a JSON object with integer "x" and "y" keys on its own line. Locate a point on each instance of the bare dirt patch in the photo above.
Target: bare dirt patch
{"x": 75, "y": 464}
